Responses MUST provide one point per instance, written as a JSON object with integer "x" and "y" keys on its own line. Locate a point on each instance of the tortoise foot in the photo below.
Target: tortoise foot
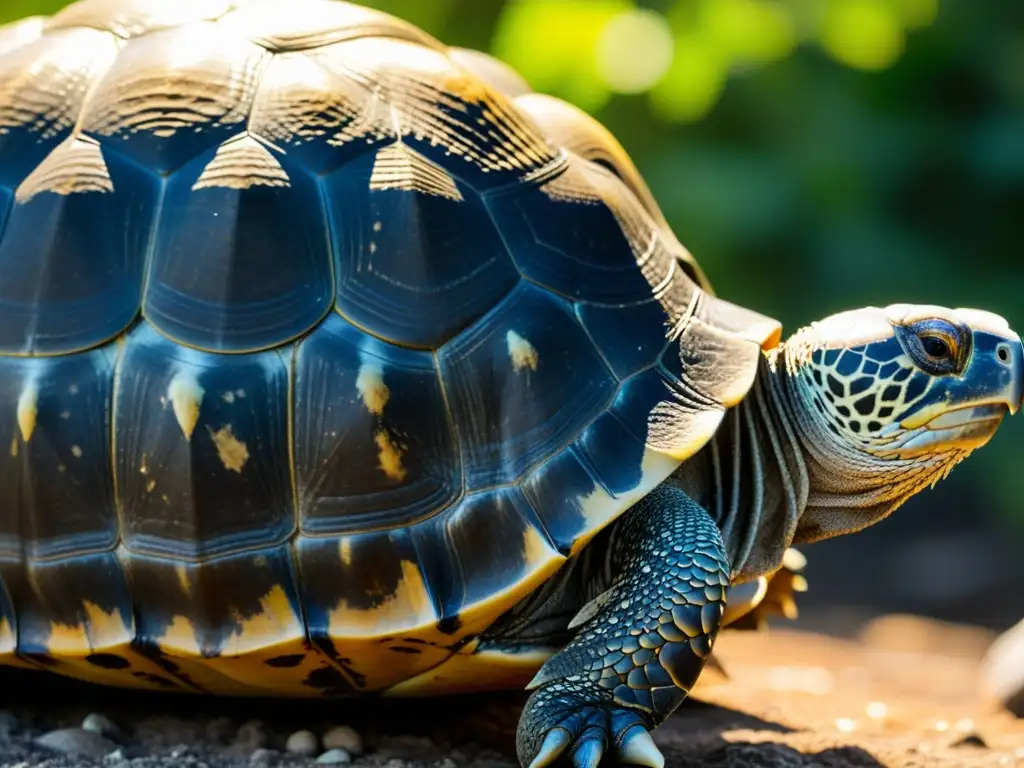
{"x": 559, "y": 722}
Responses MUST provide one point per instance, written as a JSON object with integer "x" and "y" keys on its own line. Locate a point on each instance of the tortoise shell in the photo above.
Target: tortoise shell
{"x": 321, "y": 345}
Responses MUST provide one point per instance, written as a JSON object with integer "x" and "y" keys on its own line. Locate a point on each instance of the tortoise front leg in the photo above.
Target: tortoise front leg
{"x": 641, "y": 645}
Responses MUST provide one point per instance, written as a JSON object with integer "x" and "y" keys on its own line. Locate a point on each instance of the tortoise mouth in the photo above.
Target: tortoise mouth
{"x": 968, "y": 416}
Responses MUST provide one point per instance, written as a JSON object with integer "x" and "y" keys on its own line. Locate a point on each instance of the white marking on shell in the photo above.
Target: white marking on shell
{"x": 242, "y": 164}
{"x": 186, "y": 397}
{"x": 28, "y": 408}
{"x": 522, "y": 352}
{"x": 399, "y": 167}
{"x": 371, "y": 387}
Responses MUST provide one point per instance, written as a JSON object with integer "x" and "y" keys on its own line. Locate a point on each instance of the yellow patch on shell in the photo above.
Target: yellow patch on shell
{"x": 28, "y": 409}
{"x": 600, "y": 508}
{"x": 186, "y": 397}
{"x": 390, "y": 456}
{"x": 408, "y": 607}
{"x": 522, "y": 353}
{"x": 180, "y": 637}
{"x": 275, "y": 622}
{"x": 184, "y": 578}
{"x": 472, "y": 670}
{"x": 233, "y": 452}
{"x": 372, "y": 389}
{"x": 14, "y": 446}
{"x": 99, "y": 630}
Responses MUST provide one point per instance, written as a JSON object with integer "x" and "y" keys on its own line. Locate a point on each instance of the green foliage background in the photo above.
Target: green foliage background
{"x": 813, "y": 154}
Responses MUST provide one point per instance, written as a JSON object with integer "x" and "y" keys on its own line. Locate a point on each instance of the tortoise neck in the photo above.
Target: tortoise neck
{"x": 848, "y": 489}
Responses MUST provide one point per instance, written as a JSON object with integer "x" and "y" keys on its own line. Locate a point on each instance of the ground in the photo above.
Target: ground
{"x": 903, "y": 693}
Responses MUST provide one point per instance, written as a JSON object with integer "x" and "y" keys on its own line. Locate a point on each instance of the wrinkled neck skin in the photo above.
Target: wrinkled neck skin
{"x": 775, "y": 475}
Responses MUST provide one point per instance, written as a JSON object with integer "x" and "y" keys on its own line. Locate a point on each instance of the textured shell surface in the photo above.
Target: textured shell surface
{"x": 321, "y": 345}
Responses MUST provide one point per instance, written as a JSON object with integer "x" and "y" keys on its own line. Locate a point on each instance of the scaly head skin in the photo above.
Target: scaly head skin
{"x": 887, "y": 401}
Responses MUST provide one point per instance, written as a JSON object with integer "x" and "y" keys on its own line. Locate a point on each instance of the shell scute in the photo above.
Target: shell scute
{"x": 201, "y": 450}
{"x": 373, "y": 441}
{"x": 368, "y": 595}
{"x": 528, "y": 357}
{"x": 417, "y": 256}
{"x": 241, "y": 259}
{"x": 55, "y": 462}
{"x": 482, "y": 555}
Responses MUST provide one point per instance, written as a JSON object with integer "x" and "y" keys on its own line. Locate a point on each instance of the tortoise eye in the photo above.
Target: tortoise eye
{"x": 936, "y": 346}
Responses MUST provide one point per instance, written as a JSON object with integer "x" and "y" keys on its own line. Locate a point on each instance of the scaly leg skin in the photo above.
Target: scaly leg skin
{"x": 641, "y": 645}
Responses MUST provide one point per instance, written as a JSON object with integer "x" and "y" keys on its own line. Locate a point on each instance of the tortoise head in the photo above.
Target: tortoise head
{"x": 889, "y": 400}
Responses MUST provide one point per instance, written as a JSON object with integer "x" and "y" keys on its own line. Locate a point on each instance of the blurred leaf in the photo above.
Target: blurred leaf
{"x": 866, "y": 34}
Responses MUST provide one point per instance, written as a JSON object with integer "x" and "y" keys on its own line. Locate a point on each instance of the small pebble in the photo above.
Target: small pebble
{"x": 877, "y": 710}
{"x": 343, "y": 737}
{"x": 262, "y": 756}
{"x": 334, "y": 757}
{"x": 302, "y": 743}
{"x": 445, "y": 763}
{"x": 75, "y": 741}
{"x": 846, "y": 725}
{"x": 101, "y": 724}
{"x": 251, "y": 735}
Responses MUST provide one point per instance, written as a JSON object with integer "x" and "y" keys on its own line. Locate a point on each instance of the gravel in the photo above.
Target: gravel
{"x": 790, "y": 699}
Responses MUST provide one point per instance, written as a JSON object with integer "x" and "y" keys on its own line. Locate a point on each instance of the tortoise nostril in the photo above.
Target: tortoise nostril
{"x": 1003, "y": 353}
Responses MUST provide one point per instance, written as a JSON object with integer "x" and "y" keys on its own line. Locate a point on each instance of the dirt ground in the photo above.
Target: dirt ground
{"x": 903, "y": 693}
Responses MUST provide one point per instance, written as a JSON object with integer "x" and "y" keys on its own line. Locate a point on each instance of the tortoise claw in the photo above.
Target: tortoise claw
{"x": 638, "y": 748}
{"x": 554, "y": 745}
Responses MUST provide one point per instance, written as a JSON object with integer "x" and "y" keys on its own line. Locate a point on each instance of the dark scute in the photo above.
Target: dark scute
{"x": 917, "y": 385}
{"x": 861, "y": 385}
{"x": 874, "y": 426}
{"x": 517, "y": 398}
{"x": 891, "y": 393}
{"x": 229, "y": 484}
{"x": 831, "y": 355}
{"x": 849, "y": 362}
{"x": 58, "y": 486}
{"x": 108, "y": 661}
{"x": 342, "y": 485}
{"x": 866, "y": 405}
{"x": 870, "y": 368}
{"x": 413, "y": 268}
{"x": 99, "y": 238}
{"x": 553, "y": 491}
{"x": 223, "y": 592}
{"x": 476, "y": 549}
{"x": 835, "y": 386}
{"x": 842, "y": 410}
{"x": 57, "y": 591}
{"x": 887, "y": 370}
{"x": 855, "y": 426}
{"x": 903, "y": 374}
{"x": 577, "y": 247}
{"x": 239, "y": 269}
{"x": 816, "y": 373}
{"x": 884, "y": 413}
{"x": 630, "y": 338}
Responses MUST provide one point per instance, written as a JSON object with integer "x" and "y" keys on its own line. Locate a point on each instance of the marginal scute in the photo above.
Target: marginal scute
{"x": 55, "y": 474}
{"x": 222, "y": 620}
{"x": 241, "y": 259}
{"x": 510, "y": 422}
{"x": 73, "y": 609}
{"x": 85, "y": 212}
{"x": 187, "y": 493}
{"x": 369, "y": 601}
{"x": 175, "y": 94}
{"x": 373, "y": 442}
{"x": 482, "y": 555}
{"x": 43, "y": 87}
{"x": 315, "y": 23}
{"x": 764, "y": 331}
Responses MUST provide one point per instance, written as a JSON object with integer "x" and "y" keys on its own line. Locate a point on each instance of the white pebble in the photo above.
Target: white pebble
{"x": 941, "y": 726}
{"x": 344, "y": 737}
{"x": 302, "y": 743}
{"x": 846, "y": 725}
{"x": 877, "y": 710}
{"x": 964, "y": 724}
{"x": 334, "y": 757}
{"x": 97, "y": 723}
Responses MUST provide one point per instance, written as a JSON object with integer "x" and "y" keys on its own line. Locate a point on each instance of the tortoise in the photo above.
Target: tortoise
{"x": 335, "y": 361}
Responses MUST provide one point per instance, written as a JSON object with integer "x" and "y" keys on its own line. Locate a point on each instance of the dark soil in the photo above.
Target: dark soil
{"x": 904, "y": 693}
